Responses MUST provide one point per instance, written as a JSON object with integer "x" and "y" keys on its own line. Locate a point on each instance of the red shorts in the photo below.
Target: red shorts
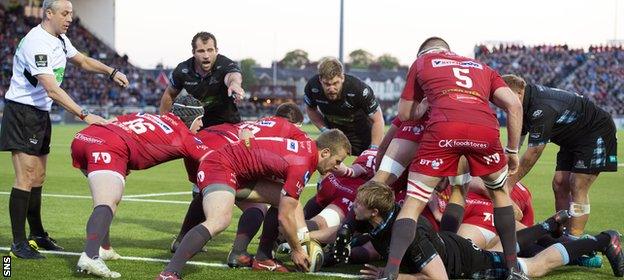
{"x": 443, "y": 143}
{"x": 339, "y": 191}
{"x": 212, "y": 171}
{"x": 411, "y": 131}
{"x": 97, "y": 148}
{"x": 213, "y": 141}
{"x": 479, "y": 212}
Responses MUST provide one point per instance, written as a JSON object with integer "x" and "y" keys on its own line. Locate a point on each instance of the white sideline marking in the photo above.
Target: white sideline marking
{"x": 123, "y": 199}
{"x": 155, "y": 194}
{"x": 219, "y": 265}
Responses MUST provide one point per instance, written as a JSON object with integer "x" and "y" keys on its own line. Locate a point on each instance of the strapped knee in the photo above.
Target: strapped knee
{"x": 391, "y": 166}
{"x": 577, "y": 209}
{"x": 460, "y": 180}
{"x": 498, "y": 182}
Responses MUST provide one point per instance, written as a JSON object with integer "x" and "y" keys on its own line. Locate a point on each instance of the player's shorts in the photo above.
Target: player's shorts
{"x": 213, "y": 139}
{"x": 214, "y": 175}
{"x": 479, "y": 213}
{"x": 339, "y": 191}
{"x": 96, "y": 148}
{"x": 443, "y": 143}
{"x": 26, "y": 129}
{"x": 594, "y": 153}
{"x": 360, "y": 140}
{"x": 466, "y": 259}
{"x": 411, "y": 131}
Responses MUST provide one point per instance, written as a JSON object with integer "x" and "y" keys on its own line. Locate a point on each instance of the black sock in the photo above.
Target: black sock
{"x": 248, "y": 225}
{"x": 528, "y": 236}
{"x": 312, "y": 225}
{"x": 452, "y": 217}
{"x": 359, "y": 255}
{"x": 194, "y": 216}
{"x": 18, "y": 207}
{"x": 311, "y": 208}
{"x": 403, "y": 233}
{"x": 97, "y": 227}
{"x": 193, "y": 242}
{"x": 586, "y": 246}
{"x": 506, "y": 228}
{"x": 34, "y": 212}
{"x": 530, "y": 250}
{"x": 270, "y": 231}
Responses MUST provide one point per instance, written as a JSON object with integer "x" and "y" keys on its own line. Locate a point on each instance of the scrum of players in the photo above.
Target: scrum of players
{"x": 425, "y": 200}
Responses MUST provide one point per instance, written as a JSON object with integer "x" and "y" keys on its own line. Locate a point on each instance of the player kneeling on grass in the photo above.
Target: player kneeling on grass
{"x": 443, "y": 255}
{"x": 106, "y": 153}
{"x": 227, "y": 170}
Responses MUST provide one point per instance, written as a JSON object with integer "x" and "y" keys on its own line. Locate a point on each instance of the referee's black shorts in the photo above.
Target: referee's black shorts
{"x": 26, "y": 129}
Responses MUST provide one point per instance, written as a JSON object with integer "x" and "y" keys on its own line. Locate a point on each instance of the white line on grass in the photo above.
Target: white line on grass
{"x": 219, "y": 265}
{"x": 155, "y": 194}
{"x": 123, "y": 199}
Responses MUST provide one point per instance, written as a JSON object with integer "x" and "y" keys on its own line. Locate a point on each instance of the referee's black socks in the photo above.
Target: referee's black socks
{"x": 18, "y": 208}
{"x": 34, "y": 212}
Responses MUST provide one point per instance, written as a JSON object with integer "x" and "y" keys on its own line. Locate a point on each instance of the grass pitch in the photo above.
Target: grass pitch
{"x": 145, "y": 225}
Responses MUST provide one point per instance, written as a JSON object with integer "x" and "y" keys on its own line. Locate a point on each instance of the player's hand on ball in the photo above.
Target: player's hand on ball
{"x": 371, "y": 272}
{"x": 300, "y": 259}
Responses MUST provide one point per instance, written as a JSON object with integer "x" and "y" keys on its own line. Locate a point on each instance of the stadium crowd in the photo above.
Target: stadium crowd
{"x": 593, "y": 73}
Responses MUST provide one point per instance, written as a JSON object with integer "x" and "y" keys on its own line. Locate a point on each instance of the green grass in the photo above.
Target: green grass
{"x": 145, "y": 229}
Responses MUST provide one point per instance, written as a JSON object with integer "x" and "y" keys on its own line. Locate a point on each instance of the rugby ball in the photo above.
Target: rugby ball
{"x": 315, "y": 254}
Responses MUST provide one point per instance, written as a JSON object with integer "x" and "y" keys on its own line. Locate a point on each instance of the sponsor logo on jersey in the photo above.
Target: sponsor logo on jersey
{"x": 580, "y": 164}
{"x": 537, "y": 114}
{"x": 321, "y": 101}
{"x": 189, "y": 83}
{"x": 155, "y": 119}
{"x": 462, "y": 143}
{"x": 315, "y": 90}
{"x": 41, "y": 60}
{"x": 306, "y": 177}
{"x": 441, "y": 62}
{"x": 88, "y": 139}
{"x": 365, "y": 92}
{"x": 184, "y": 70}
{"x": 213, "y": 80}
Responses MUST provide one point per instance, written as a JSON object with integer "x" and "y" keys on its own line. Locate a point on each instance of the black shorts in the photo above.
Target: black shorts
{"x": 595, "y": 153}
{"x": 25, "y": 129}
{"x": 360, "y": 141}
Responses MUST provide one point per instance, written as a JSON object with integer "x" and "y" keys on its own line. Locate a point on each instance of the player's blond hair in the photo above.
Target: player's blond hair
{"x": 330, "y": 68}
{"x": 334, "y": 140}
{"x": 376, "y": 195}
{"x": 516, "y": 83}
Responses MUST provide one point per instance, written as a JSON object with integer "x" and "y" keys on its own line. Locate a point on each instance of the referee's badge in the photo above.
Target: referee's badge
{"x": 41, "y": 60}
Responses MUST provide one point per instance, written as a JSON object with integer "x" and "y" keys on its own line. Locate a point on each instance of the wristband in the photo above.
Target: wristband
{"x": 373, "y": 146}
{"x": 83, "y": 114}
{"x": 112, "y": 75}
{"x": 510, "y": 151}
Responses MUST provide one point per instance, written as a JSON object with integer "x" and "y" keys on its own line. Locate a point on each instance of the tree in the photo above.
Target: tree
{"x": 295, "y": 59}
{"x": 360, "y": 58}
{"x": 249, "y": 75}
{"x": 388, "y": 61}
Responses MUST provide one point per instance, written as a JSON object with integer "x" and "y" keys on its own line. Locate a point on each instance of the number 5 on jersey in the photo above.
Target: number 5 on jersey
{"x": 460, "y": 74}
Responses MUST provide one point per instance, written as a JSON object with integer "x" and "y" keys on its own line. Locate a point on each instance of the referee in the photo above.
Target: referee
{"x": 336, "y": 100}
{"x": 586, "y": 136}
{"x": 212, "y": 78}
{"x": 38, "y": 70}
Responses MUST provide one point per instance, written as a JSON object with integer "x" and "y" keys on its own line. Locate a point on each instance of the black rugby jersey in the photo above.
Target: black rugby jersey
{"x": 211, "y": 90}
{"x": 559, "y": 116}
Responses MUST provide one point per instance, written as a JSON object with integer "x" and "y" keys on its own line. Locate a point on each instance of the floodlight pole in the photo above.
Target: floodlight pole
{"x": 341, "y": 47}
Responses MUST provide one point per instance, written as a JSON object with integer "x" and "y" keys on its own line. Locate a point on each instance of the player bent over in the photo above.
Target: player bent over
{"x": 226, "y": 170}
{"x": 105, "y": 154}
